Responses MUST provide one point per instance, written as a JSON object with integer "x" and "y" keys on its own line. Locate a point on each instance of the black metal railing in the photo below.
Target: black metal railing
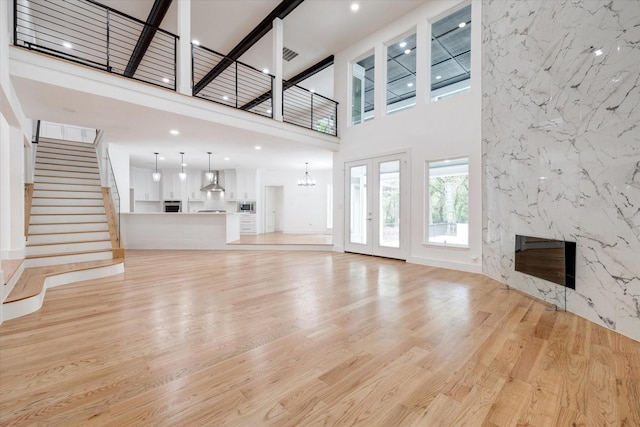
{"x": 238, "y": 85}
{"x": 92, "y": 34}
{"x": 305, "y": 108}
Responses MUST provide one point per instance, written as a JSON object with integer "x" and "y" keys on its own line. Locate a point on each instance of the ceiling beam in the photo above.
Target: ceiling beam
{"x": 314, "y": 69}
{"x": 281, "y": 11}
{"x": 156, "y": 15}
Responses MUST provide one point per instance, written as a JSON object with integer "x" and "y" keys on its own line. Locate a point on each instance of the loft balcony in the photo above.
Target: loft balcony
{"x": 94, "y": 35}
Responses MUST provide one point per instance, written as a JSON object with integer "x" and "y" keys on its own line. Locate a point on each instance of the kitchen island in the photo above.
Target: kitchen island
{"x": 180, "y": 230}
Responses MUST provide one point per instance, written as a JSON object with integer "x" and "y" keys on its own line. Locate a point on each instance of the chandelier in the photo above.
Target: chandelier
{"x": 182, "y": 175}
{"x": 209, "y": 175}
{"x": 306, "y": 181}
{"x": 156, "y": 175}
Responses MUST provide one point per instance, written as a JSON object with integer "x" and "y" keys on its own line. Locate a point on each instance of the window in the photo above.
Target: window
{"x": 448, "y": 207}
{"x": 451, "y": 54}
{"x": 401, "y": 73}
{"x": 362, "y": 98}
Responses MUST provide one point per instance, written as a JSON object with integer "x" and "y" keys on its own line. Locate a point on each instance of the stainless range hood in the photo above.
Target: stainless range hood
{"x": 213, "y": 186}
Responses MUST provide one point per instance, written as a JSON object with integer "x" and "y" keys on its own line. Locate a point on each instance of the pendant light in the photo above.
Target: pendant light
{"x": 209, "y": 175}
{"x": 182, "y": 175}
{"x": 306, "y": 181}
{"x": 156, "y": 175}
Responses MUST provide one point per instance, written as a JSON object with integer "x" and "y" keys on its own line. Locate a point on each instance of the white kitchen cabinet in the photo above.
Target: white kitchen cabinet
{"x": 246, "y": 184}
{"x": 144, "y": 189}
{"x": 194, "y": 184}
{"x": 229, "y": 182}
{"x": 248, "y": 224}
{"x": 172, "y": 187}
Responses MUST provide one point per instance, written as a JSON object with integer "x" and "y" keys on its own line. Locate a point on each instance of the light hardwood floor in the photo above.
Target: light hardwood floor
{"x": 251, "y": 338}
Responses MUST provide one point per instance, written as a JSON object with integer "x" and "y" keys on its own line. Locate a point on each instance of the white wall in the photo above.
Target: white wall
{"x": 305, "y": 208}
{"x": 428, "y": 131}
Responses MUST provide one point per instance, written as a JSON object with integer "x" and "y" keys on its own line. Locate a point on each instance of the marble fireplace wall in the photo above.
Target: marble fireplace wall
{"x": 561, "y": 147}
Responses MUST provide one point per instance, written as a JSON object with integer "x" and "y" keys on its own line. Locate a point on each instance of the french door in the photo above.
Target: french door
{"x": 377, "y": 206}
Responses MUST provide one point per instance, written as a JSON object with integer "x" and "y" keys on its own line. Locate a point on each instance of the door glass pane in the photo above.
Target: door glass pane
{"x": 358, "y": 202}
{"x": 389, "y": 209}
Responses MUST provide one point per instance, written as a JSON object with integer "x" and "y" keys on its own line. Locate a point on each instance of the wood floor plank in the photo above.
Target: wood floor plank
{"x": 277, "y": 338}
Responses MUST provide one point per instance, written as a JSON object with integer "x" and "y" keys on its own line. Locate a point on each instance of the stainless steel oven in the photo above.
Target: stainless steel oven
{"x": 173, "y": 206}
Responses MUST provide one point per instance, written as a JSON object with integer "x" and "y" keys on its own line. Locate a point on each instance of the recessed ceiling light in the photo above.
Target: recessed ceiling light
{"x": 268, "y": 111}
{"x": 410, "y": 84}
{"x": 438, "y": 77}
{"x": 67, "y": 45}
{"x": 166, "y": 80}
{"x": 407, "y": 52}
{"x": 225, "y": 98}
{"x": 184, "y": 164}
{"x": 196, "y": 42}
{"x": 462, "y": 24}
{"x": 174, "y": 132}
{"x": 355, "y": 7}
{"x": 265, "y": 70}
{"x": 227, "y": 158}
{"x": 160, "y": 158}
{"x": 257, "y": 147}
{"x": 403, "y": 44}
{"x": 598, "y": 52}
{"x": 312, "y": 90}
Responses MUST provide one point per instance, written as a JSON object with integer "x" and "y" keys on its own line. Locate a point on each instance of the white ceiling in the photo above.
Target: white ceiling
{"x": 315, "y": 29}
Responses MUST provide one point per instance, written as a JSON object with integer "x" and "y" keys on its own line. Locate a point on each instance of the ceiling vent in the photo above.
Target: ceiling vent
{"x": 288, "y": 54}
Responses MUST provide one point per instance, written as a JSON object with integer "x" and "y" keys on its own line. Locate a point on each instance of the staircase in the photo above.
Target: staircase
{"x": 68, "y": 222}
{"x": 69, "y": 238}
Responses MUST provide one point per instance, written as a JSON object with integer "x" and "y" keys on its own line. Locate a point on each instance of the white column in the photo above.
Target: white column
{"x": 380, "y": 81}
{"x": 183, "y": 77}
{"x": 12, "y": 240}
{"x": 423, "y": 56}
{"x": 278, "y": 43}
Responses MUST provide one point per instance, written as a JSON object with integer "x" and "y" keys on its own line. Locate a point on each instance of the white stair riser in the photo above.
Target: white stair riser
{"x": 48, "y": 155}
{"x": 57, "y": 210}
{"x": 67, "y": 247}
{"x": 40, "y": 201}
{"x": 62, "y": 180}
{"x": 67, "y": 187}
{"x": 67, "y": 228}
{"x": 43, "y": 262}
{"x": 79, "y": 161}
{"x": 57, "y": 219}
{"x": 44, "y": 145}
{"x": 67, "y": 174}
{"x": 65, "y": 238}
{"x": 67, "y": 194}
{"x": 41, "y": 167}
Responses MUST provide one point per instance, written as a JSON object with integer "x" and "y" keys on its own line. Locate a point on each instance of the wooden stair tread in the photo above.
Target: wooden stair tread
{"x": 60, "y": 254}
{"x": 71, "y": 232}
{"x": 32, "y": 279}
{"x": 9, "y": 268}
{"x": 68, "y": 223}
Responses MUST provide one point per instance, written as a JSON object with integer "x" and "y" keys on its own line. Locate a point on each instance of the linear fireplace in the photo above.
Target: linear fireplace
{"x": 547, "y": 259}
